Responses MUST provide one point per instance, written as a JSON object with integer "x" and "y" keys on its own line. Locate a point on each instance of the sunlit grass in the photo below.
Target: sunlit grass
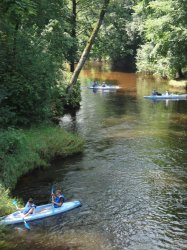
{"x": 24, "y": 150}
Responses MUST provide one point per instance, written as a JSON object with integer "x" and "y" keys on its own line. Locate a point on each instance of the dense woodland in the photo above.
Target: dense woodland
{"x": 38, "y": 39}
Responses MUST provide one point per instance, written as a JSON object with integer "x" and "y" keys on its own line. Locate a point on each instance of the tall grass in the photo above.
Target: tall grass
{"x": 24, "y": 150}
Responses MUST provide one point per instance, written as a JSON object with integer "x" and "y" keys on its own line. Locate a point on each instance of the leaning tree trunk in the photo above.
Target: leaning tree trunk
{"x": 88, "y": 47}
{"x": 73, "y": 35}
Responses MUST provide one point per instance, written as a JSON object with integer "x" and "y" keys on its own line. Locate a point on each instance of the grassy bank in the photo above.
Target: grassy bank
{"x": 23, "y": 150}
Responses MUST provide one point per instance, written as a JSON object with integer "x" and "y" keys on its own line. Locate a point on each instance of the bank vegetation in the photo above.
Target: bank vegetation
{"x": 23, "y": 150}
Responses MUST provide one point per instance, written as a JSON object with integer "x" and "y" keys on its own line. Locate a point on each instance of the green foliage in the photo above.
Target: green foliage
{"x": 117, "y": 40}
{"x": 16, "y": 157}
{"x": 69, "y": 101}
{"x": 165, "y": 34}
{"x": 6, "y": 205}
{"x": 87, "y": 16}
{"x": 73, "y": 100}
{"x": 153, "y": 32}
{"x": 33, "y": 48}
{"x": 24, "y": 150}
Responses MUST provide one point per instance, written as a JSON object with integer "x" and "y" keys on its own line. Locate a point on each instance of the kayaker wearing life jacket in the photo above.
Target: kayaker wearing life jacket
{"x": 29, "y": 208}
{"x": 154, "y": 92}
{"x": 58, "y": 199}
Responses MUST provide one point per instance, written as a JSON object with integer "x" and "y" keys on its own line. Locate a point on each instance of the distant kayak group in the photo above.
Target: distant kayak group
{"x": 155, "y": 95}
{"x": 158, "y": 96}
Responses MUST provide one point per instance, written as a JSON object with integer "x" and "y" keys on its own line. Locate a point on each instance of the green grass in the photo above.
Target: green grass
{"x": 23, "y": 150}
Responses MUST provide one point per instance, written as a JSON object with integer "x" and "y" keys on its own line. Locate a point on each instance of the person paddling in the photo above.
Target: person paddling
{"x": 29, "y": 208}
{"x": 57, "y": 198}
{"x": 94, "y": 84}
{"x": 104, "y": 84}
{"x": 154, "y": 92}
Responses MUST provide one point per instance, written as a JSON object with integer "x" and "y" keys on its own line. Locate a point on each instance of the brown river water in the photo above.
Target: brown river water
{"x": 131, "y": 178}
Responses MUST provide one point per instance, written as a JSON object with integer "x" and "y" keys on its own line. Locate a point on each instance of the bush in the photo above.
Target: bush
{"x": 24, "y": 150}
{"x": 6, "y": 205}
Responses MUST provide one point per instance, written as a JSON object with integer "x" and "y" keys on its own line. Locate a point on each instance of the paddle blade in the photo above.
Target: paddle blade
{"x": 14, "y": 202}
{"x": 26, "y": 225}
{"x": 52, "y": 190}
{"x": 53, "y": 209}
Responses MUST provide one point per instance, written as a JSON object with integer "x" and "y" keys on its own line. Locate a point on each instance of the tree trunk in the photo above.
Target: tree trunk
{"x": 73, "y": 35}
{"x": 15, "y": 42}
{"x": 88, "y": 47}
{"x": 180, "y": 74}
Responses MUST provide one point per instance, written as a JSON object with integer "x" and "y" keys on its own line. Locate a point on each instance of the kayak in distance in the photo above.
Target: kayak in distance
{"x": 167, "y": 96}
{"x": 102, "y": 86}
{"x": 41, "y": 212}
{"x": 106, "y": 87}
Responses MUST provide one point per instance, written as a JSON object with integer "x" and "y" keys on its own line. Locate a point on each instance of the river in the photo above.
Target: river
{"x": 131, "y": 178}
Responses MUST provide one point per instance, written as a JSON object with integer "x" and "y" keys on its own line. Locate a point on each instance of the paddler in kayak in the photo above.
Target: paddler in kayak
{"x": 57, "y": 198}
{"x": 103, "y": 84}
{"x": 154, "y": 92}
{"x": 28, "y": 209}
{"x": 94, "y": 84}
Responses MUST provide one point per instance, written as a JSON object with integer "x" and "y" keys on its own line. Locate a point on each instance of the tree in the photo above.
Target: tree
{"x": 33, "y": 47}
{"x": 118, "y": 40}
{"x": 165, "y": 37}
{"x": 88, "y": 47}
{"x": 73, "y": 35}
{"x": 83, "y": 14}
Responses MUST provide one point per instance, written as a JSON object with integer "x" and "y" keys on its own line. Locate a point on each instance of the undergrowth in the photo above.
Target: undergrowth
{"x": 23, "y": 150}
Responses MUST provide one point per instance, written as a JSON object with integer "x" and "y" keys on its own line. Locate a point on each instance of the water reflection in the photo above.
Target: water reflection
{"x": 131, "y": 178}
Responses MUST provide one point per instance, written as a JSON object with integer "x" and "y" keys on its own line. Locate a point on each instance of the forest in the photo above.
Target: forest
{"x": 38, "y": 39}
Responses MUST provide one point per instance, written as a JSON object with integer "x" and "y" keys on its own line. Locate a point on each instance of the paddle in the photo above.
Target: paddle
{"x": 52, "y": 192}
{"x": 25, "y": 223}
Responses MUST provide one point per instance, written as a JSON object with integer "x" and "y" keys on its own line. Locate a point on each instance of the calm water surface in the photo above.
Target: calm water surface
{"x": 131, "y": 178}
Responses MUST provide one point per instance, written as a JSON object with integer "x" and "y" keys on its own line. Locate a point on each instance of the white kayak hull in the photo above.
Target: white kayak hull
{"x": 104, "y": 88}
{"x": 166, "y": 97}
{"x": 41, "y": 212}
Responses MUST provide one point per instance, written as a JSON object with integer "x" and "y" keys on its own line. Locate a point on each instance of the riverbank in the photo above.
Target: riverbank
{"x": 23, "y": 150}
{"x": 178, "y": 83}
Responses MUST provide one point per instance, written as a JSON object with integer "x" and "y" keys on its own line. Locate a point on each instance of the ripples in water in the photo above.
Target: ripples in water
{"x": 131, "y": 178}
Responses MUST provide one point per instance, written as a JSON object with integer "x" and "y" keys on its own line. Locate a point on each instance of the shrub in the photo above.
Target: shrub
{"x": 24, "y": 150}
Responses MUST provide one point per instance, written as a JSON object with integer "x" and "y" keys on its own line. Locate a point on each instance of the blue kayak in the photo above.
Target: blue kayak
{"x": 106, "y": 87}
{"x": 166, "y": 97}
{"x": 41, "y": 212}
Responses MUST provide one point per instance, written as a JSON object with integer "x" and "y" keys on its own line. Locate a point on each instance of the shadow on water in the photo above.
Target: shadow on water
{"x": 38, "y": 183}
{"x": 131, "y": 178}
